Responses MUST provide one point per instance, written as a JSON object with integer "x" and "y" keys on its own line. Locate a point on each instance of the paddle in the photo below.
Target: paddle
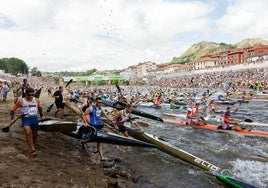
{"x": 6, "y": 129}
{"x": 50, "y": 107}
{"x": 37, "y": 93}
{"x": 68, "y": 83}
{"x": 118, "y": 89}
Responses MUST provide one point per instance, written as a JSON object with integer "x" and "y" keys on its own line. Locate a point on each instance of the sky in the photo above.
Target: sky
{"x": 79, "y": 35}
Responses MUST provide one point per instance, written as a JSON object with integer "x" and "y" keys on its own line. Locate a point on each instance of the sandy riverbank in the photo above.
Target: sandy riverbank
{"x": 60, "y": 160}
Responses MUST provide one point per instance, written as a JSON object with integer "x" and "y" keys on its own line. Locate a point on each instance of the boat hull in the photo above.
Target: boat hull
{"x": 172, "y": 150}
{"x": 57, "y": 126}
{"x": 137, "y": 112}
{"x": 232, "y": 182}
{"x": 90, "y": 134}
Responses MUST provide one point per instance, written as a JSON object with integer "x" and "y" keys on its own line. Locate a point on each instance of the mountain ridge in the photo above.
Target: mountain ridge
{"x": 206, "y": 47}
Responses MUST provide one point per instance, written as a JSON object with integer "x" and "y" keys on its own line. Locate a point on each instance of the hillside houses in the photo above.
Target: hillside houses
{"x": 251, "y": 54}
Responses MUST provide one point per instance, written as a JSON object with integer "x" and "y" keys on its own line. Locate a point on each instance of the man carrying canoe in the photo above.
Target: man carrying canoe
{"x": 95, "y": 112}
{"x": 229, "y": 123}
{"x": 122, "y": 116}
{"x": 59, "y": 102}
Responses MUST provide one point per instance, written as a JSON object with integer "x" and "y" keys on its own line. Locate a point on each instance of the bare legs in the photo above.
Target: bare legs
{"x": 31, "y": 137}
{"x": 99, "y": 147}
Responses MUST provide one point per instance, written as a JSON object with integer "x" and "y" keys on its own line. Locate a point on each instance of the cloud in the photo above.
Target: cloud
{"x": 245, "y": 18}
{"x": 67, "y": 35}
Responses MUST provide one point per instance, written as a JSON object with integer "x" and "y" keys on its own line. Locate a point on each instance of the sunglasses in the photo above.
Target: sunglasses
{"x": 30, "y": 95}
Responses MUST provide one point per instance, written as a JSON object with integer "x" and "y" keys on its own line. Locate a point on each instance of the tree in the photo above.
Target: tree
{"x": 36, "y": 72}
{"x": 14, "y": 66}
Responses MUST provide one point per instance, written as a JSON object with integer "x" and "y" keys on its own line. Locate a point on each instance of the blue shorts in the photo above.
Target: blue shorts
{"x": 97, "y": 127}
{"x": 31, "y": 122}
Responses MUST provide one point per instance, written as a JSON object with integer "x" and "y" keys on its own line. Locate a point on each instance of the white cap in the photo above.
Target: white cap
{"x": 189, "y": 110}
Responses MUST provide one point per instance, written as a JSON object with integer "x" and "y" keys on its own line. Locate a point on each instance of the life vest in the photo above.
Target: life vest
{"x": 29, "y": 107}
{"x": 195, "y": 111}
{"x": 95, "y": 116}
{"x": 224, "y": 122}
{"x": 157, "y": 102}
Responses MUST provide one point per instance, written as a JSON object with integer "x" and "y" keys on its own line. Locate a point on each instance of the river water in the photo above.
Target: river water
{"x": 239, "y": 156}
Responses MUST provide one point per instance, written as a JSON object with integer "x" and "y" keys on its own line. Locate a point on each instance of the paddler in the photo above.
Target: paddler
{"x": 197, "y": 115}
{"x": 30, "y": 106}
{"x": 120, "y": 118}
{"x": 85, "y": 106}
{"x": 190, "y": 118}
{"x": 95, "y": 112}
{"x": 229, "y": 123}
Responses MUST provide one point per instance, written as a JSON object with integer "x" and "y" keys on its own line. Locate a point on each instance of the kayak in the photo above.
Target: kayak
{"x": 246, "y": 122}
{"x": 162, "y": 106}
{"x": 185, "y": 156}
{"x": 174, "y": 115}
{"x": 57, "y": 126}
{"x": 233, "y": 114}
{"x": 73, "y": 108}
{"x": 90, "y": 134}
{"x": 112, "y": 138}
{"x": 101, "y": 136}
{"x": 246, "y": 132}
{"x": 120, "y": 105}
{"x": 233, "y": 183}
{"x": 225, "y": 102}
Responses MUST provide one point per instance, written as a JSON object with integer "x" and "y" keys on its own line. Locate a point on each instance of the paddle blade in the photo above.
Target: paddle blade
{"x": 37, "y": 93}
{"x": 118, "y": 88}
{"x": 50, "y": 107}
{"x": 70, "y": 81}
{"x": 6, "y": 129}
{"x": 248, "y": 120}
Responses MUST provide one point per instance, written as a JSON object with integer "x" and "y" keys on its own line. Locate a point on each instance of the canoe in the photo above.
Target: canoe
{"x": 73, "y": 108}
{"x": 174, "y": 115}
{"x": 225, "y": 102}
{"x": 245, "y": 122}
{"x": 185, "y": 156}
{"x": 90, "y": 134}
{"x": 57, "y": 126}
{"x": 101, "y": 136}
{"x": 112, "y": 138}
{"x": 120, "y": 105}
{"x": 172, "y": 150}
{"x": 233, "y": 183}
{"x": 246, "y": 132}
{"x": 162, "y": 106}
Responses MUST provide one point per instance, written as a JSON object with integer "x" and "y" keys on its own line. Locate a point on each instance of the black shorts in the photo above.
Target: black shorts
{"x": 122, "y": 129}
{"x": 59, "y": 105}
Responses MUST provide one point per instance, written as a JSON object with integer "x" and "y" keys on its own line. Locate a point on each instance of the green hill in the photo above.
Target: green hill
{"x": 204, "y": 47}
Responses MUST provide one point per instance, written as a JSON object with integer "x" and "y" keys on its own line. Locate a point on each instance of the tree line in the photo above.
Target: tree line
{"x": 14, "y": 66}
{"x": 18, "y": 67}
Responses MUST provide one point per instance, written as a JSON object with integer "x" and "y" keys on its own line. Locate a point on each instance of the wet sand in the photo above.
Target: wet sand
{"x": 60, "y": 160}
